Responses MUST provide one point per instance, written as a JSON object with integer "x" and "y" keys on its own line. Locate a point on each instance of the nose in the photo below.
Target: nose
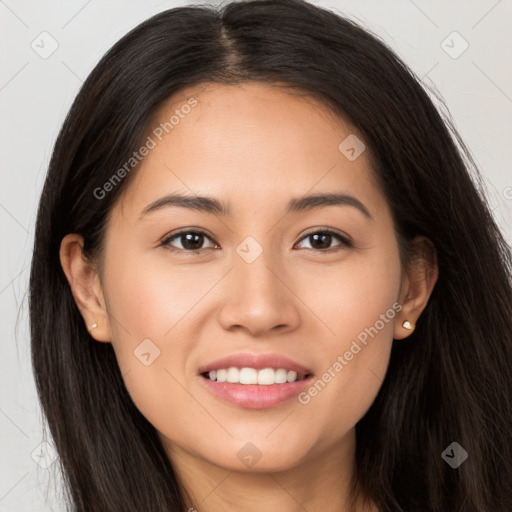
{"x": 258, "y": 297}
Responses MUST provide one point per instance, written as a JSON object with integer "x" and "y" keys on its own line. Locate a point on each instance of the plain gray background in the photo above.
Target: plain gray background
{"x": 36, "y": 91}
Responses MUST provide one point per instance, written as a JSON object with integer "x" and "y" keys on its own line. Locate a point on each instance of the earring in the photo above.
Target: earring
{"x": 93, "y": 326}
{"x": 407, "y": 325}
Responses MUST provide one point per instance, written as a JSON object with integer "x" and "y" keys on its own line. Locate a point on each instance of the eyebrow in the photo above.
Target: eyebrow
{"x": 213, "y": 206}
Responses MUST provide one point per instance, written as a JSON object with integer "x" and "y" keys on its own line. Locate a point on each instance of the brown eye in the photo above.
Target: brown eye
{"x": 322, "y": 240}
{"x": 189, "y": 241}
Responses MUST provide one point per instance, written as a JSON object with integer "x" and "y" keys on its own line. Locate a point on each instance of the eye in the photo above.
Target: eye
{"x": 190, "y": 241}
{"x": 321, "y": 240}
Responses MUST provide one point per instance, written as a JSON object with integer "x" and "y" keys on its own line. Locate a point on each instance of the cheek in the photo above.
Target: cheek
{"x": 351, "y": 295}
{"x": 360, "y": 311}
{"x": 150, "y": 304}
{"x": 355, "y": 364}
{"x": 147, "y": 296}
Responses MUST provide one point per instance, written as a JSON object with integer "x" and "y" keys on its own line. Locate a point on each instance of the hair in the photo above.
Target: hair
{"x": 449, "y": 382}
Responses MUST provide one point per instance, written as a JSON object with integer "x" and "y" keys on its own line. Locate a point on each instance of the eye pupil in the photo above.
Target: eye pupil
{"x": 190, "y": 244}
{"x": 326, "y": 240}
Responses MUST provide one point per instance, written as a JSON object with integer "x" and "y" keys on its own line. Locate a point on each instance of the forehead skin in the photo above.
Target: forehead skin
{"x": 227, "y": 144}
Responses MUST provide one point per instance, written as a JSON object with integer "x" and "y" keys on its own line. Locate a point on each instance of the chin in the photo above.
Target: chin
{"x": 254, "y": 454}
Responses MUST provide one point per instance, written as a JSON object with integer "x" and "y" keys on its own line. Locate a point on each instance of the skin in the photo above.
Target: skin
{"x": 254, "y": 147}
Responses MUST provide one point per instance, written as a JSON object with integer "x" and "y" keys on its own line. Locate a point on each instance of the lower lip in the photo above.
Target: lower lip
{"x": 255, "y": 396}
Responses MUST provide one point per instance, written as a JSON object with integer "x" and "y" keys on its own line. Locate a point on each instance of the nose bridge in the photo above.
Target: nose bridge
{"x": 260, "y": 277}
{"x": 253, "y": 271}
{"x": 256, "y": 297}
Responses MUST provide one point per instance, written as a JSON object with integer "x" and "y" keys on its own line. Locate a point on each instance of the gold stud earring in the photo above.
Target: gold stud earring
{"x": 93, "y": 326}
{"x": 407, "y": 325}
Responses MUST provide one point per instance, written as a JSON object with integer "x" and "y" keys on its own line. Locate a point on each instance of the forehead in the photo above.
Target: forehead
{"x": 248, "y": 142}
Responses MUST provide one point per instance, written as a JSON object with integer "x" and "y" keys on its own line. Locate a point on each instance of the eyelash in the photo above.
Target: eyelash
{"x": 344, "y": 242}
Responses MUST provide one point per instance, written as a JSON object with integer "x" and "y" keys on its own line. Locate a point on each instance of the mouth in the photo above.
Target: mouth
{"x": 255, "y": 381}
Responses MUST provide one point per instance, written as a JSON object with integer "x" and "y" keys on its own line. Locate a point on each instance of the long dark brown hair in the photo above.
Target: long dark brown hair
{"x": 449, "y": 382}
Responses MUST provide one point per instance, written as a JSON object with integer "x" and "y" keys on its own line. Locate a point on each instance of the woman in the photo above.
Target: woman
{"x": 264, "y": 277}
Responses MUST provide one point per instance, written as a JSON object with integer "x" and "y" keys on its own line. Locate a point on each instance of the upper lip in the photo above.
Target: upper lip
{"x": 257, "y": 361}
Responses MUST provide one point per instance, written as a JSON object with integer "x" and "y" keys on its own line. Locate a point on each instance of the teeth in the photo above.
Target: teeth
{"x": 248, "y": 376}
{"x": 233, "y": 375}
{"x": 281, "y": 376}
{"x": 264, "y": 377}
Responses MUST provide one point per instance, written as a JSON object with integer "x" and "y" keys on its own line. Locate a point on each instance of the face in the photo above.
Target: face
{"x": 257, "y": 274}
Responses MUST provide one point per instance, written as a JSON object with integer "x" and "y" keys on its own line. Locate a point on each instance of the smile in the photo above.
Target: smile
{"x": 247, "y": 376}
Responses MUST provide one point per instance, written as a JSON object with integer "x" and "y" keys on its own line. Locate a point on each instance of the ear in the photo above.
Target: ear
{"x": 84, "y": 280}
{"x": 418, "y": 281}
